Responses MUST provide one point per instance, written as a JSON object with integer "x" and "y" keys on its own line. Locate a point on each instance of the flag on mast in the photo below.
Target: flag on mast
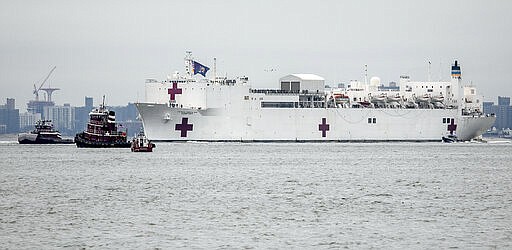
{"x": 199, "y": 68}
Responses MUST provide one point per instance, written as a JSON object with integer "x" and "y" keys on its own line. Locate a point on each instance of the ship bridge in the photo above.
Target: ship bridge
{"x": 303, "y": 83}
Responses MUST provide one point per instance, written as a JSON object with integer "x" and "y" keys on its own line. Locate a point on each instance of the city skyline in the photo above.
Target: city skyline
{"x": 110, "y": 48}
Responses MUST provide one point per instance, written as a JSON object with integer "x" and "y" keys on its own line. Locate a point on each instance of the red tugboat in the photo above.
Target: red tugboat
{"x": 102, "y": 131}
{"x": 140, "y": 143}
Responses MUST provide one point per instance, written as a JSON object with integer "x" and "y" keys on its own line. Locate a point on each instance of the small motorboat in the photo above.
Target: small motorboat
{"x": 449, "y": 138}
{"x": 141, "y": 143}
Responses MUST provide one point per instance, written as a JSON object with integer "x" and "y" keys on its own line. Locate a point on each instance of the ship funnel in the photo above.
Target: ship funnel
{"x": 456, "y": 73}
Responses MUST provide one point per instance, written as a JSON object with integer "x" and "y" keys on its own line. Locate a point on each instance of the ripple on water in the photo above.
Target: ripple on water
{"x": 251, "y": 195}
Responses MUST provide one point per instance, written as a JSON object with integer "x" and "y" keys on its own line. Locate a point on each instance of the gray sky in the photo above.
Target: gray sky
{"x": 110, "y": 47}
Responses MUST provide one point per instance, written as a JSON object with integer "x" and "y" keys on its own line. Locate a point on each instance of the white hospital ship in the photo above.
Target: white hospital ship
{"x": 191, "y": 108}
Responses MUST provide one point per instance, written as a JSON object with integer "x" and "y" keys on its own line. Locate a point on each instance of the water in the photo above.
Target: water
{"x": 250, "y": 195}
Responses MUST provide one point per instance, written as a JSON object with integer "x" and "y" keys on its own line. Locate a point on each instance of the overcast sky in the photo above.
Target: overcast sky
{"x": 110, "y": 47}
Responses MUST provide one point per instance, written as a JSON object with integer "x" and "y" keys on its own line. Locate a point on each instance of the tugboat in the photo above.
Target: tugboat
{"x": 44, "y": 133}
{"x": 102, "y": 131}
{"x": 140, "y": 143}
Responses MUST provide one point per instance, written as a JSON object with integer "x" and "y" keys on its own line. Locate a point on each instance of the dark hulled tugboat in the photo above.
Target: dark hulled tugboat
{"x": 102, "y": 131}
{"x": 44, "y": 133}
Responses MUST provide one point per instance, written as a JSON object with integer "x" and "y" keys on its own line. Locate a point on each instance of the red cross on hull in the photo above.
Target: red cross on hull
{"x": 324, "y": 127}
{"x": 184, "y": 127}
{"x": 174, "y": 91}
{"x": 452, "y": 126}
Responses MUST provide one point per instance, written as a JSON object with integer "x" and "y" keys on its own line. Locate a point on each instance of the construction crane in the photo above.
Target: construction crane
{"x": 36, "y": 90}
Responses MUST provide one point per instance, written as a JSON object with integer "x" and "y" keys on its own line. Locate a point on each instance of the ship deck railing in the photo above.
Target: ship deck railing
{"x": 287, "y": 92}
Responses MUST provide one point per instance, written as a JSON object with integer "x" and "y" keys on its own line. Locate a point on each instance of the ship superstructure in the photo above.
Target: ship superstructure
{"x": 187, "y": 107}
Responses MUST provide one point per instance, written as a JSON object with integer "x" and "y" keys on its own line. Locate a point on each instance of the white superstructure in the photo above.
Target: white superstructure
{"x": 184, "y": 108}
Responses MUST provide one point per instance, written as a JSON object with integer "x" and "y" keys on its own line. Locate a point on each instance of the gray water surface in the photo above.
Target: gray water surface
{"x": 252, "y": 195}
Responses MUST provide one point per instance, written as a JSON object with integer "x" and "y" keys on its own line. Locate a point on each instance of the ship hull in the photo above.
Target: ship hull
{"x": 29, "y": 138}
{"x": 82, "y": 142}
{"x": 248, "y": 124}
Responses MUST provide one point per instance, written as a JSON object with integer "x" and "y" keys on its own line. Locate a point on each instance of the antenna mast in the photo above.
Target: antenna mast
{"x": 429, "y": 73}
{"x": 366, "y": 74}
{"x": 214, "y": 69}
{"x": 188, "y": 64}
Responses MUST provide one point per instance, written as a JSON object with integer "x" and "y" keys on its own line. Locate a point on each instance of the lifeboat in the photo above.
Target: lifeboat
{"x": 378, "y": 99}
{"x": 341, "y": 98}
{"x": 438, "y": 98}
{"x": 423, "y": 98}
{"x": 395, "y": 98}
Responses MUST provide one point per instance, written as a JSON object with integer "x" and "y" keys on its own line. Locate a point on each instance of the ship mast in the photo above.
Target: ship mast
{"x": 214, "y": 70}
{"x": 429, "y": 71}
{"x": 188, "y": 64}
{"x": 366, "y": 74}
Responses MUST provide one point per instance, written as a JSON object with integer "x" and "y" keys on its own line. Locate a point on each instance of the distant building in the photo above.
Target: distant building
{"x": 127, "y": 117}
{"x": 28, "y": 120}
{"x": 390, "y": 87}
{"x": 9, "y": 117}
{"x": 63, "y": 117}
{"x": 35, "y": 107}
{"x": 82, "y": 115}
{"x": 503, "y": 112}
{"x": 89, "y": 102}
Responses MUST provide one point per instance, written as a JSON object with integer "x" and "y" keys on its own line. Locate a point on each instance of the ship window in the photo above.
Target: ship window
{"x": 285, "y": 86}
{"x": 369, "y": 120}
{"x": 277, "y": 104}
{"x": 430, "y": 90}
{"x": 444, "y": 120}
{"x": 374, "y": 120}
{"x": 246, "y": 97}
{"x": 295, "y": 86}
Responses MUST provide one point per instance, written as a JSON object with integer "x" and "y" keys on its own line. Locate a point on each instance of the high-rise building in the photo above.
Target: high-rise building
{"x": 11, "y": 103}
{"x": 503, "y": 101}
{"x": 82, "y": 115}
{"x": 28, "y": 120}
{"x": 63, "y": 117}
{"x": 503, "y": 112}
{"x": 127, "y": 117}
{"x": 9, "y": 117}
{"x": 89, "y": 102}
